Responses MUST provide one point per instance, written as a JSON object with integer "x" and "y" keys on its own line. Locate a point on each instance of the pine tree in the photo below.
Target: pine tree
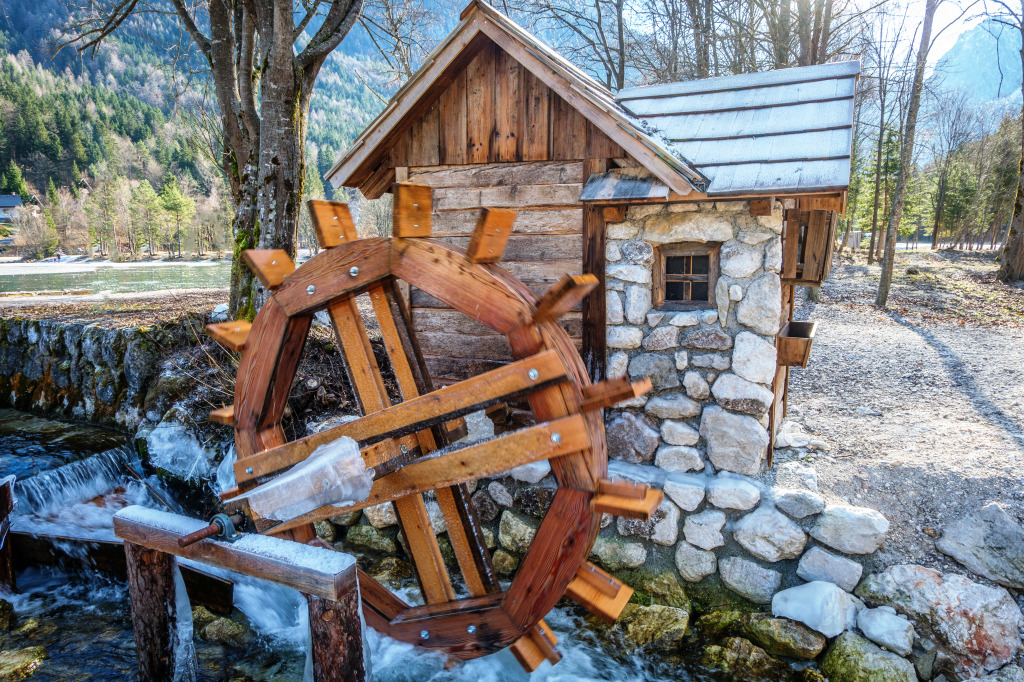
{"x": 181, "y": 208}
{"x": 14, "y": 182}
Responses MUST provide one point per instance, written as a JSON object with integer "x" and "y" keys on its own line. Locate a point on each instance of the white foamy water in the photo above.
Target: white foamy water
{"x": 173, "y": 448}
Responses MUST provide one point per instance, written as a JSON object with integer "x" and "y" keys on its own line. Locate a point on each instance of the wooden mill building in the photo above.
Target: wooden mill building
{"x": 701, "y": 185}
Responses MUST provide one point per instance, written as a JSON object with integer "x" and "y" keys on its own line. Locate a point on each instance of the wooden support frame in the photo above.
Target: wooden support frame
{"x": 270, "y": 266}
{"x": 7, "y": 576}
{"x": 231, "y": 335}
{"x": 595, "y": 315}
{"x": 490, "y": 236}
{"x": 598, "y": 592}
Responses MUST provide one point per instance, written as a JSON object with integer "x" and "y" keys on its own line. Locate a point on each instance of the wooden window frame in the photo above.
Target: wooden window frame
{"x": 710, "y": 249}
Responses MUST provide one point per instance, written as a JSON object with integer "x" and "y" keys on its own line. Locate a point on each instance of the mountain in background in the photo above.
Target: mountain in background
{"x": 984, "y": 63}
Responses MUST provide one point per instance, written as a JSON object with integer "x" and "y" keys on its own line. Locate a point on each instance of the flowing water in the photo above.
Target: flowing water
{"x": 95, "y": 278}
{"x": 82, "y": 616}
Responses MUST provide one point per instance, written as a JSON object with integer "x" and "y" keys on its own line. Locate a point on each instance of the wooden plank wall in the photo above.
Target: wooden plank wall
{"x": 495, "y": 111}
{"x": 546, "y": 243}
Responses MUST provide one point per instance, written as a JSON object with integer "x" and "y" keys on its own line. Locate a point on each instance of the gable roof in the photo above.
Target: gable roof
{"x": 789, "y": 130}
{"x": 10, "y": 201}
{"x": 593, "y": 100}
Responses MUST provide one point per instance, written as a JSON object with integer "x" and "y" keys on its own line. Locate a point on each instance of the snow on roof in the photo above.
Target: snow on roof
{"x": 788, "y": 130}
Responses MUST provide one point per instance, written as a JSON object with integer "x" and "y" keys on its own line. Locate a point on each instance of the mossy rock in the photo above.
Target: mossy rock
{"x": 851, "y": 658}
{"x": 655, "y": 627}
{"x": 711, "y": 594}
{"x": 505, "y": 563}
{"x": 201, "y": 617}
{"x": 371, "y": 538}
{"x": 743, "y": 661}
{"x": 778, "y": 636}
{"x": 391, "y": 572}
{"x": 20, "y": 663}
{"x": 324, "y": 530}
{"x": 228, "y": 632}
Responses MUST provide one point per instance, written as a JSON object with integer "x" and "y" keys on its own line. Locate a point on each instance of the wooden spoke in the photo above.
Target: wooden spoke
{"x": 271, "y": 266}
{"x": 563, "y": 296}
{"x": 612, "y": 391}
{"x": 598, "y": 592}
{"x": 628, "y": 506}
{"x": 224, "y": 415}
{"x": 413, "y": 206}
{"x": 487, "y": 245}
{"x": 334, "y": 273}
{"x": 332, "y": 222}
{"x": 535, "y": 647}
{"x": 231, "y": 335}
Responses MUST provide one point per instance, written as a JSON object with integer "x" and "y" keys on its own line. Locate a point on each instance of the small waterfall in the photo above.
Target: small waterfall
{"x": 53, "y": 490}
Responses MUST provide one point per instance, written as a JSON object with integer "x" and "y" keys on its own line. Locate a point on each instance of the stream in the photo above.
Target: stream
{"x": 82, "y": 615}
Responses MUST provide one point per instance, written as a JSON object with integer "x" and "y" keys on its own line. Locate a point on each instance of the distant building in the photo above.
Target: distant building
{"x": 9, "y": 205}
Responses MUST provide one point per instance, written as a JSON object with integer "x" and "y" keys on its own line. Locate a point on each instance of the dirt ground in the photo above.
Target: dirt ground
{"x": 921, "y": 406}
{"x": 116, "y": 310}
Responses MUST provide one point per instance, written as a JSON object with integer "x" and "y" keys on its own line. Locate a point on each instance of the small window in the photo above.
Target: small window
{"x": 685, "y": 276}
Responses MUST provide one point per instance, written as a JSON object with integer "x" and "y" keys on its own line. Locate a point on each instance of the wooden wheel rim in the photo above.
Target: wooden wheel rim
{"x": 472, "y": 626}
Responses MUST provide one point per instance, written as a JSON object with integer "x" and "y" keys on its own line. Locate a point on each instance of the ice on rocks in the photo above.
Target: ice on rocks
{"x": 819, "y": 564}
{"x": 887, "y": 629}
{"x": 821, "y": 606}
{"x": 686, "y": 490}
{"x": 704, "y": 530}
{"x": 732, "y": 492}
{"x": 749, "y": 580}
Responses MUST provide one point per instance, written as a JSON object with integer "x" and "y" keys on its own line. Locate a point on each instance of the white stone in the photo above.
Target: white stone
{"x": 704, "y": 530}
{"x": 683, "y": 208}
{"x": 694, "y": 564}
{"x": 695, "y": 385}
{"x": 612, "y": 253}
{"x": 749, "y": 580}
{"x": 682, "y": 359}
{"x": 761, "y": 306}
{"x": 709, "y": 317}
{"x": 774, "y": 221}
{"x": 616, "y": 555}
{"x": 500, "y": 494}
{"x": 819, "y": 605}
{"x": 672, "y": 407}
{"x": 740, "y": 395}
{"x": 623, "y": 230}
{"x": 532, "y": 472}
{"x": 754, "y": 236}
{"x": 770, "y": 535}
{"x": 638, "y": 303}
{"x": 799, "y": 503}
{"x": 735, "y": 442}
{"x": 612, "y": 284}
{"x": 662, "y": 338}
{"x": 654, "y": 319}
{"x": 686, "y": 490}
{"x": 722, "y": 297}
{"x": 381, "y": 515}
{"x": 624, "y": 337}
{"x": 753, "y": 358}
{"x": 678, "y": 433}
{"x": 436, "y": 517}
{"x": 717, "y": 361}
{"x": 685, "y": 320}
{"x": 678, "y": 458}
{"x": 773, "y": 256}
{"x": 641, "y": 211}
{"x": 740, "y": 260}
{"x": 666, "y": 531}
{"x": 732, "y": 492}
{"x": 883, "y": 627}
{"x": 618, "y": 362}
{"x": 852, "y": 530}
{"x": 613, "y": 306}
{"x": 701, "y": 226}
{"x": 735, "y": 292}
{"x": 629, "y": 273}
{"x": 818, "y": 564}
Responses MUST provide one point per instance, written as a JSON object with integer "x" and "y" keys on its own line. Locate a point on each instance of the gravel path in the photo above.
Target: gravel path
{"x": 923, "y": 417}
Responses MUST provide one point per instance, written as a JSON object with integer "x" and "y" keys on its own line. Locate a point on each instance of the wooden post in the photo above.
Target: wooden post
{"x": 594, "y": 313}
{"x": 152, "y": 588}
{"x": 336, "y": 639}
{"x": 6, "y": 557}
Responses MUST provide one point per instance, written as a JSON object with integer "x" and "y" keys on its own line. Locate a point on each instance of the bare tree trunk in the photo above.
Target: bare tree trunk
{"x": 906, "y": 155}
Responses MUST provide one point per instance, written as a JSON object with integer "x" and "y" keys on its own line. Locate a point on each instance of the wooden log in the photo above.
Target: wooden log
{"x": 223, "y": 415}
{"x": 512, "y": 196}
{"x": 336, "y": 638}
{"x": 7, "y": 575}
{"x": 231, "y": 335}
{"x": 412, "y": 209}
{"x": 761, "y": 207}
{"x": 152, "y": 589}
{"x": 594, "y": 313}
{"x": 598, "y": 592}
{"x": 563, "y": 296}
{"x": 332, "y": 221}
{"x": 628, "y": 507}
{"x": 490, "y": 235}
{"x": 271, "y": 266}
{"x": 612, "y": 391}
{"x": 497, "y": 175}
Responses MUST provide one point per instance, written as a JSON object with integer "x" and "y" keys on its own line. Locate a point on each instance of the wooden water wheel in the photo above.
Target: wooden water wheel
{"x": 406, "y": 443}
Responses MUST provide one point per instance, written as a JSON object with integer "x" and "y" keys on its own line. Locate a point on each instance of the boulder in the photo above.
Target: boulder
{"x": 17, "y": 664}
{"x": 534, "y": 500}
{"x": 630, "y": 437}
{"x": 773, "y": 256}
{"x": 613, "y": 308}
{"x": 990, "y": 543}
{"x": 740, "y": 395}
{"x": 716, "y": 361}
{"x": 665, "y": 589}
{"x": 770, "y": 535}
{"x": 704, "y": 530}
{"x": 735, "y": 442}
{"x": 694, "y": 564}
{"x": 678, "y": 433}
{"x": 753, "y": 358}
{"x": 655, "y": 627}
{"x": 679, "y": 458}
{"x": 662, "y": 338}
{"x": 887, "y": 629}
{"x": 628, "y": 272}
{"x": 687, "y": 491}
{"x": 818, "y": 564}
{"x": 799, "y": 503}
{"x": 742, "y": 661}
{"x": 696, "y": 386}
{"x": 672, "y": 407}
{"x": 699, "y": 226}
{"x": 618, "y": 363}
{"x": 851, "y": 658}
{"x": 821, "y": 606}
{"x": 976, "y": 625}
{"x": 731, "y": 492}
{"x": 740, "y": 260}
{"x": 505, "y": 564}
{"x": 228, "y": 632}
{"x": 749, "y": 580}
{"x": 708, "y": 339}
{"x": 515, "y": 532}
{"x": 778, "y": 636}
{"x": 391, "y": 572}
{"x": 682, "y": 359}
{"x": 616, "y": 555}
{"x": 761, "y": 306}
{"x": 660, "y": 368}
{"x": 685, "y": 320}
{"x": 371, "y": 538}
{"x": 620, "y": 336}
{"x": 852, "y": 530}
{"x": 796, "y": 475}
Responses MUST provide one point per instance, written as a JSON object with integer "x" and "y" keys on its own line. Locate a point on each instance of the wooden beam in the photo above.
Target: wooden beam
{"x": 594, "y": 313}
{"x": 612, "y": 391}
{"x": 332, "y": 221}
{"x": 336, "y": 638}
{"x": 614, "y": 214}
{"x": 224, "y": 415}
{"x": 834, "y": 204}
{"x": 761, "y": 207}
{"x": 535, "y": 647}
{"x": 627, "y": 489}
{"x": 412, "y": 208}
{"x": 490, "y": 235}
{"x": 598, "y": 592}
{"x": 563, "y": 296}
{"x": 231, "y": 335}
{"x": 271, "y": 266}
{"x": 628, "y": 507}
{"x": 152, "y": 588}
